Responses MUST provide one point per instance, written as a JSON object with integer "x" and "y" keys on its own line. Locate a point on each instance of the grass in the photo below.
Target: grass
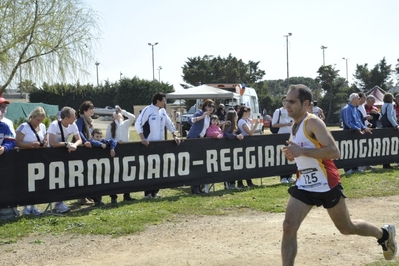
{"x": 128, "y": 218}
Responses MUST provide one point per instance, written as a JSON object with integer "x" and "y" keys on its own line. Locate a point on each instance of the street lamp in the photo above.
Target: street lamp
{"x": 120, "y": 75}
{"x": 323, "y": 48}
{"x": 153, "y": 70}
{"x": 346, "y": 59}
{"x": 286, "y": 38}
{"x": 159, "y": 73}
{"x": 97, "y": 63}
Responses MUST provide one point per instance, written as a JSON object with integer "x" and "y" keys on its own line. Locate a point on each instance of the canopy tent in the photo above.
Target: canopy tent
{"x": 15, "y": 111}
{"x": 378, "y": 94}
{"x": 202, "y": 92}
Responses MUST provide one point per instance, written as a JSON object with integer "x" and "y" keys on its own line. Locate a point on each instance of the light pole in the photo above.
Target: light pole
{"x": 159, "y": 73}
{"x": 323, "y": 48}
{"x": 346, "y": 59}
{"x": 286, "y": 38}
{"x": 97, "y": 63}
{"x": 120, "y": 75}
{"x": 153, "y": 70}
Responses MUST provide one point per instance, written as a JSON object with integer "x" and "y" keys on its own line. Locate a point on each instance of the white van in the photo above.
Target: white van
{"x": 246, "y": 96}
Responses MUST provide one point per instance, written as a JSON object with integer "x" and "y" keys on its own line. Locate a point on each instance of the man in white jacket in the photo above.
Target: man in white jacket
{"x": 150, "y": 125}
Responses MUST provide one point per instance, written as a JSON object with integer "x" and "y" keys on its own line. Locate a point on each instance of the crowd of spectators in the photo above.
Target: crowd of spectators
{"x": 360, "y": 114}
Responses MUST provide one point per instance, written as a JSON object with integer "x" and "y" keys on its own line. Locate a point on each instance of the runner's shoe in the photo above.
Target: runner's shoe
{"x": 389, "y": 247}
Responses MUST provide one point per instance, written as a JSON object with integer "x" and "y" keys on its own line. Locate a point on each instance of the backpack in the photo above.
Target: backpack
{"x": 275, "y": 130}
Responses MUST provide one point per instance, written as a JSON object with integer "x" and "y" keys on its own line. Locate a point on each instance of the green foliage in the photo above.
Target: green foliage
{"x": 126, "y": 93}
{"x": 210, "y": 69}
{"x": 328, "y": 79}
{"x": 270, "y": 92}
{"x": 380, "y": 76}
{"x": 49, "y": 39}
{"x": 46, "y": 121}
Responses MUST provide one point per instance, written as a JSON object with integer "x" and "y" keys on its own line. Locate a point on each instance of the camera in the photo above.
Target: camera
{"x": 41, "y": 144}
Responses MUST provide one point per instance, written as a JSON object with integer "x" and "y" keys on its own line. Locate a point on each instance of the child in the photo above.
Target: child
{"x": 98, "y": 141}
{"x": 214, "y": 131}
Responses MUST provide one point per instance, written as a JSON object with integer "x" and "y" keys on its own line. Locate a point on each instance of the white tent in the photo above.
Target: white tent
{"x": 202, "y": 92}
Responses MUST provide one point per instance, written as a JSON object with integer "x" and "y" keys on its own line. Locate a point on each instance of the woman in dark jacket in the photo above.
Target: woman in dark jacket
{"x": 200, "y": 121}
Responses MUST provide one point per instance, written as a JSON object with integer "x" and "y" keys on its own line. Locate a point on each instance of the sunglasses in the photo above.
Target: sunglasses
{"x": 211, "y": 105}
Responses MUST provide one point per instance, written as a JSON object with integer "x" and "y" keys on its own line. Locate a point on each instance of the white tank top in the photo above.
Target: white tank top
{"x": 314, "y": 175}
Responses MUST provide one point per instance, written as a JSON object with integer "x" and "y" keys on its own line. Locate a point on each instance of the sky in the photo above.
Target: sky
{"x": 363, "y": 31}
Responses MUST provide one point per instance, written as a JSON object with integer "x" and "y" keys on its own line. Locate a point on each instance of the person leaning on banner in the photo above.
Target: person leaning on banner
{"x": 283, "y": 122}
{"x": 150, "y": 125}
{"x": 372, "y": 111}
{"x": 388, "y": 117}
{"x": 231, "y": 132}
{"x": 200, "y": 122}
{"x": 32, "y": 135}
{"x": 7, "y": 143}
{"x": 58, "y": 133}
{"x": 119, "y": 130}
{"x": 351, "y": 120}
{"x": 3, "y": 107}
{"x": 85, "y": 127}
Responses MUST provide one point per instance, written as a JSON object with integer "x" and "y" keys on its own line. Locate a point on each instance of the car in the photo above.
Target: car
{"x": 106, "y": 111}
{"x": 184, "y": 120}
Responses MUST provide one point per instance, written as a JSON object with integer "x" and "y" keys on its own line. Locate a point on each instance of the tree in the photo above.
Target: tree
{"x": 51, "y": 39}
{"x": 210, "y": 69}
{"x": 327, "y": 76}
{"x": 27, "y": 86}
{"x": 380, "y": 76}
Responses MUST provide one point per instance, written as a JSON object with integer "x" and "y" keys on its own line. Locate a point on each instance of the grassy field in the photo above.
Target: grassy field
{"x": 127, "y": 218}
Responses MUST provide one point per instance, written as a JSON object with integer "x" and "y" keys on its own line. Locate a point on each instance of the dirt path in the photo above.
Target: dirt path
{"x": 245, "y": 238}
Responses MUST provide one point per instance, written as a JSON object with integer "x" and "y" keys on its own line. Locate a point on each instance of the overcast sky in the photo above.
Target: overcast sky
{"x": 361, "y": 30}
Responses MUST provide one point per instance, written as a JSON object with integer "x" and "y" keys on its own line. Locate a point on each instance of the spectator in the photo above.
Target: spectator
{"x": 247, "y": 128}
{"x": 388, "y": 117}
{"x": 372, "y": 112}
{"x": 98, "y": 141}
{"x": 284, "y": 124}
{"x": 7, "y": 143}
{"x": 200, "y": 122}
{"x": 214, "y": 131}
{"x": 58, "y": 134}
{"x": 266, "y": 121}
{"x": 351, "y": 120}
{"x": 361, "y": 108}
{"x": 231, "y": 132}
{"x": 150, "y": 126}
{"x": 85, "y": 127}
{"x": 3, "y": 106}
{"x": 396, "y": 105}
{"x": 178, "y": 121}
{"x": 365, "y": 119}
{"x": 221, "y": 112}
{"x": 119, "y": 130}
{"x": 32, "y": 135}
{"x": 317, "y": 111}
{"x": 237, "y": 108}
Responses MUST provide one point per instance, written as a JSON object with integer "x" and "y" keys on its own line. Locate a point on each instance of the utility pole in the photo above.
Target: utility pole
{"x": 97, "y": 63}
{"x": 323, "y": 47}
{"x": 153, "y": 69}
{"x": 286, "y": 38}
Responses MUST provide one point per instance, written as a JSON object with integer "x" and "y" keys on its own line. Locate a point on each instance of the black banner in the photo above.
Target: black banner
{"x": 31, "y": 176}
